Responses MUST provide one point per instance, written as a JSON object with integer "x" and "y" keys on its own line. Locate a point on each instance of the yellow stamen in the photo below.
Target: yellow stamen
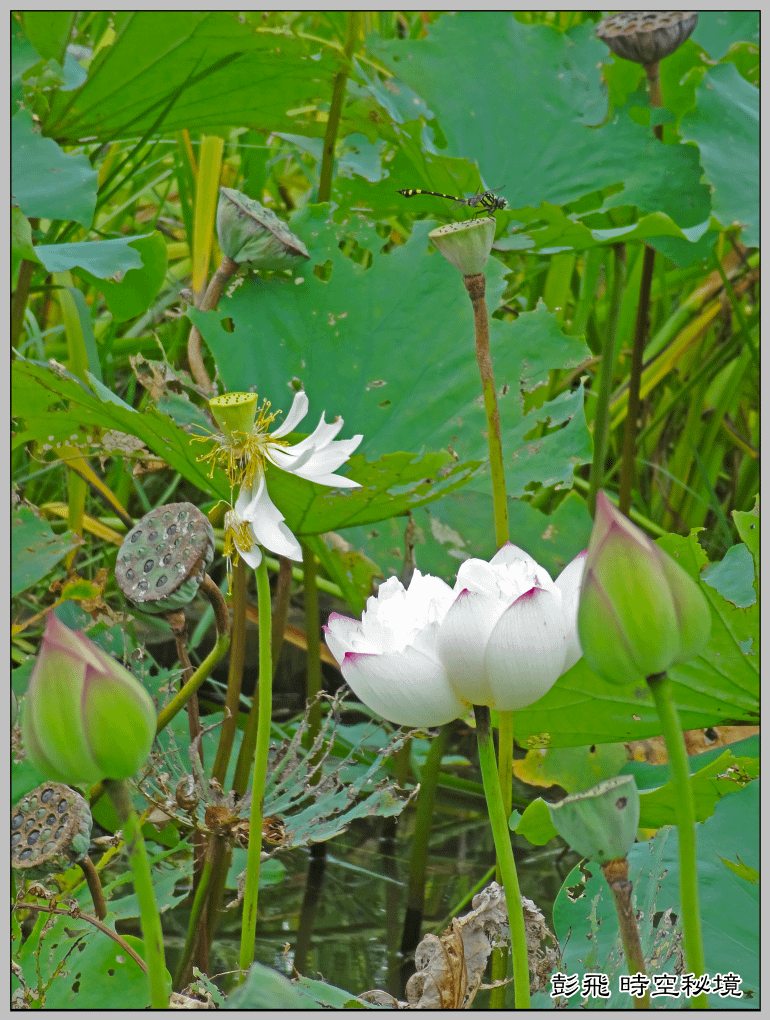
{"x": 243, "y": 454}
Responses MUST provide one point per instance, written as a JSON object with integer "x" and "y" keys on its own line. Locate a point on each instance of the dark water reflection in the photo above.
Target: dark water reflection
{"x": 352, "y": 898}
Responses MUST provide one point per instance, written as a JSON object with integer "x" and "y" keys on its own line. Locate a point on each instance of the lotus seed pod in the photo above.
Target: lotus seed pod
{"x": 646, "y": 36}
{"x": 50, "y": 830}
{"x": 600, "y": 823}
{"x": 84, "y": 717}
{"x": 164, "y": 558}
{"x": 186, "y": 794}
{"x": 466, "y": 244}
{"x": 234, "y": 413}
{"x": 251, "y": 235}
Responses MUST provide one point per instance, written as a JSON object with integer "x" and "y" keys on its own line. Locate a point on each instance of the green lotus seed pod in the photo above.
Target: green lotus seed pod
{"x": 466, "y": 244}
{"x": 234, "y": 413}
{"x": 164, "y": 558}
{"x": 50, "y": 830}
{"x": 600, "y": 823}
{"x": 85, "y": 717}
{"x": 251, "y": 235}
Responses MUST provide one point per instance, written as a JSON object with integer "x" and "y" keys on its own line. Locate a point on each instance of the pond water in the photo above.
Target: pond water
{"x": 339, "y": 915}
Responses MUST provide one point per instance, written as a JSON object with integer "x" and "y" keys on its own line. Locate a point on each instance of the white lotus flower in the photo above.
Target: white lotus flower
{"x": 502, "y": 638}
{"x": 389, "y": 658}
{"x": 255, "y": 520}
{"x": 511, "y": 631}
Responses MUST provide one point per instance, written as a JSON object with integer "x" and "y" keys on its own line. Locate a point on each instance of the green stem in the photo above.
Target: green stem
{"x": 312, "y": 633}
{"x": 201, "y": 674}
{"x": 152, "y": 931}
{"x": 660, "y": 686}
{"x": 602, "y": 413}
{"x": 194, "y": 924}
{"x": 234, "y": 673}
{"x": 499, "y": 822}
{"x": 505, "y": 777}
{"x": 335, "y": 109}
{"x": 426, "y": 799}
{"x": 281, "y": 606}
{"x": 476, "y": 287}
{"x": 249, "y": 922}
{"x": 641, "y": 334}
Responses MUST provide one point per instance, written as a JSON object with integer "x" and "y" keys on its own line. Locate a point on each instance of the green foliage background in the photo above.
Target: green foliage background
{"x": 111, "y": 113}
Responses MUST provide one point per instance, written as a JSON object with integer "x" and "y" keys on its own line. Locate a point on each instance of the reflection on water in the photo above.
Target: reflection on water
{"x": 352, "y": 898}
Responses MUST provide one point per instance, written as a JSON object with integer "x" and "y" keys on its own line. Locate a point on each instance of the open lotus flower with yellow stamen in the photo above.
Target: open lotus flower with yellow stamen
{"x": 246, "y": 443}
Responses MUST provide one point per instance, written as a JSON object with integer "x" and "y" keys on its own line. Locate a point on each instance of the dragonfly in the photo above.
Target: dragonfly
{"x": 483, "y": 201}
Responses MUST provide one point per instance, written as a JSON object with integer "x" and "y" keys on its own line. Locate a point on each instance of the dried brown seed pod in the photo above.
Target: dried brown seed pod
{"x": 646, "y": 36}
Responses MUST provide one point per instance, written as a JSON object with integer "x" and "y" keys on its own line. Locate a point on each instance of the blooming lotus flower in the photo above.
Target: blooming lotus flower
{"x": 390, "y": 658}
{"x": 255, "y": 521}
{"x": 640, "y": 612}
{"x": 85, "y": 717}
{"x": 245, "y": 445}
{"x": 511, "y": 631}
{"x": 501, "y": 638}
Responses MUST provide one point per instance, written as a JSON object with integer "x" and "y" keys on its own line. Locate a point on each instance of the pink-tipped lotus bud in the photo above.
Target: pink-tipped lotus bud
{"x": 85, "y": 717}
{"x": 639, "y": 611}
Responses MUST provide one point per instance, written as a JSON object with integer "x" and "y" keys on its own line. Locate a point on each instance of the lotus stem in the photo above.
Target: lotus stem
{"x": 265, "y": 695}
{"x": 152, "y": 932}
{"x": 499, "y": 822}
{"x": 660, "y": 686}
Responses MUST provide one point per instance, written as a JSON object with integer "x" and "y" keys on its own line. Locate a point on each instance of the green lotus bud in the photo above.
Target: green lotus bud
{"x": 164, "y": 558}
{"x": 50, "y": 830}
{"x": 251, "y": 235}
{"x": 646, "y": 36}
{"x": 466, "y": 244}
{"x": 639, "y": 611}
{"x": 600, "y": 823}
{"x": 85, "y": 717}
{"x": 234, "y": 412}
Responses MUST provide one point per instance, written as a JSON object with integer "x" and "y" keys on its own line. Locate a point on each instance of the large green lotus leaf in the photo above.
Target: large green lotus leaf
{"x": 35, "y": 549}
{"x": 50, "y": 32}
{"x": 96, "y": 419}
{"x": 73, "y": 965}
{"x": 585, "y": 919}
{"x": 549, "y": 98}
{"x": 391, "y": 485}
{"x": 46, "y": 181}
{"x": 38, "y": 395}
{"x": 192, "y": 70}
{"x": 264, "y": 988}
{"x": 747, "y": 524}
{"x": 458, "y": 527}
{"x": 131, "y": 294}
{"x": 717, "y": 31}
{"x": 101, "y": 259}
{"x": 721, "y": 685}
{"x": 725, "y": 127}
{"x": 391, "y": 349}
